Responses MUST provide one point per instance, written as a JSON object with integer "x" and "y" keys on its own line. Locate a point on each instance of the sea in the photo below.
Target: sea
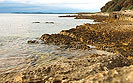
{"x": 17, "y": 55}
{"x": 17, "y": 29}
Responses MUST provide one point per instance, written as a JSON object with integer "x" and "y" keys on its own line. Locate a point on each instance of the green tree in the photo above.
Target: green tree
{"x": 117, "y": 8}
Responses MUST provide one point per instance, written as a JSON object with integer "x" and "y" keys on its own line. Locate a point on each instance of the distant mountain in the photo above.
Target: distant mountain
{"x": 39, "y": 13}
{"x": 117, "y": 5}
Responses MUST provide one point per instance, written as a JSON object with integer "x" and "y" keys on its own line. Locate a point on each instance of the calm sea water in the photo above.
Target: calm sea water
{"x": 17, "y": 29}
{"x": 21, "y": 25}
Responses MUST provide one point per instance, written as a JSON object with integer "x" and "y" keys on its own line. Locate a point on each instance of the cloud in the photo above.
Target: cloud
{"x": 1, "y": 0}
{"x": 83, "y": 5}
{"x": 80, "y": 4}
{"x": 6, "y": 7}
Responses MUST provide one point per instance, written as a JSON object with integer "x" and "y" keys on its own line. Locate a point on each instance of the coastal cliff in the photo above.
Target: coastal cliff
{"x": 117, "y": 5}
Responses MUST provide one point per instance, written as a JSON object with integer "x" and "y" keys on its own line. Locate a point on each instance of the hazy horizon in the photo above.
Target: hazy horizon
{"x": 52, "y": 6}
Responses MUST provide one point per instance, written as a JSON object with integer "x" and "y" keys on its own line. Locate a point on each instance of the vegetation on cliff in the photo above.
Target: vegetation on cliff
{"x": 117, "y": 5}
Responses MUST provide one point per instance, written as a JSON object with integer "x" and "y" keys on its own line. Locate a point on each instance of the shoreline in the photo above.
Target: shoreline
{"x": 111, "y": 34}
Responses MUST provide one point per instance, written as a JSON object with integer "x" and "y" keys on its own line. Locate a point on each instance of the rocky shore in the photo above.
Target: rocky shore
{"x": 112, "y": 34}
{"x": 82, "y": 69}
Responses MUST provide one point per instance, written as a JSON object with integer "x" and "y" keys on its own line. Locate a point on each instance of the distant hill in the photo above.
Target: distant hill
{"x": 117, "y": 5}
{"x": 39, "y": 13}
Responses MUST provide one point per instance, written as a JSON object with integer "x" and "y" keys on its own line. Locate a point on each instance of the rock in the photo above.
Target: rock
{"x": 129, "y": 77}
{"x": 45, "y": 37}
{"x": 64, "y": 40}
{"x": 33, "y": 42}
{"x": 35, "y": 22}
{"x": 117, "y": 75}
{"x": 111, "y": 61}
{"x": 18, "y": 78}
{"x": 105, "y": 36}
{"x": 49, "y": 22}
{"x": 113, "y": 15}
{"x": 68, "y": 16}
{"x": 94, "y": 68}
{"x": 78, "y": 69}
{"x": 57, "y": 81}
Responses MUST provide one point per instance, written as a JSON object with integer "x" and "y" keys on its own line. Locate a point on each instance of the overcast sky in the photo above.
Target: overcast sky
{"x": 51, "y": 5}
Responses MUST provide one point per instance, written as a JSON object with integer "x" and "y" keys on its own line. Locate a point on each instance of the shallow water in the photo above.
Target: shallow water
{"x": 17, "y": 29}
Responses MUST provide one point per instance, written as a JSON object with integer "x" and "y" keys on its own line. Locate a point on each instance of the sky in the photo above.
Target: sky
{"x": 55, "y": 6}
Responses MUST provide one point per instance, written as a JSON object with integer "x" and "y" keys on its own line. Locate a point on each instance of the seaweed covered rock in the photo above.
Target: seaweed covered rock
{"x": 106, "y": 36}
{"x": 64, "y": 40}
